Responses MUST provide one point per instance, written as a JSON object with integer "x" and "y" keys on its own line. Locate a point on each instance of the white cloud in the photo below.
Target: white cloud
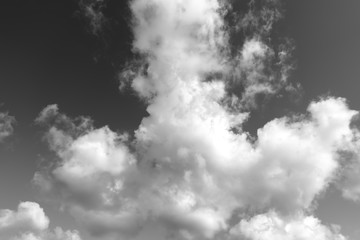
{"x": 180, "y": 39}
{"x": 272, "y": 226}
{"x": 192, "y": 172}
{"x": 29, "y": 222}
{"x": 92, "y": 160}
{"x": 188, "y": 172}
{"x": 28, "y": 217}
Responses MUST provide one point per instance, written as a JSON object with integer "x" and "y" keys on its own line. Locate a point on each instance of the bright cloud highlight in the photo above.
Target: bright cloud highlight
{"x": 29, "y": 222}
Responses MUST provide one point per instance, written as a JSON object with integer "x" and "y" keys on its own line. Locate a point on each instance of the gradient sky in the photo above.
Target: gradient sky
{"x": 49, "y": 56}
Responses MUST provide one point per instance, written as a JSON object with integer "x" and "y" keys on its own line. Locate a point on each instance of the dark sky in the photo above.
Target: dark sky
{"x": 48, "y": 55}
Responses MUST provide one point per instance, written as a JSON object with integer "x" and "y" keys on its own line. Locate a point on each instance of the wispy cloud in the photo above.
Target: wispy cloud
{"x": 261, "y": 67}
{"x": 349, "y": 176}
{"x": 6, "y": 125}
{"x": 92, "y": 10}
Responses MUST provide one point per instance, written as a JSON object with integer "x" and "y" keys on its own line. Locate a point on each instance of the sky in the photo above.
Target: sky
{"x": 179, "y": 119}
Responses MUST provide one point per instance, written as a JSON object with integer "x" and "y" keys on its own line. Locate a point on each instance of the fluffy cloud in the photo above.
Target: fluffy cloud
{"x": 192, "y": 173}
{"x": 191, "y": 168}
{"x": 91, "y": 159}
{"x": 272, "y": 226}
{"x": 6, "y": 125}
{"x": 29, "y": 222}
{"x": 28, "y": 217}
{"x": 178, "y": 39}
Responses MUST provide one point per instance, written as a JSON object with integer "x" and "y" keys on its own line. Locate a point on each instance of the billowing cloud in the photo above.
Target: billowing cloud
{"x": 6, "y": 125}
{"x": 28, "y": 217}
{"x": 272, "y": 226}
{"x": 190, "y": 175}
{"x": 191, "y": 167}
{"x": 29, "y": 222}
{"x": 89, "y": 157}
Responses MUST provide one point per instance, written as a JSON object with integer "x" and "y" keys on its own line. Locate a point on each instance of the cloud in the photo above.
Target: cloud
{"x": 272, "y": 226}
{"x": 191, "y": 173}
{"x": 29, "y": 222}
{"x": 176, "y": 40}
{"x": 348, "y": 178}
{"x": 6, "y": 125}
{"x": 89, "y": 157}
{"x": 28, "y": 217}
{"x": 92, "y": 10}
{"x": 261, "y": 66}
{"x": 350, "y": 185}
{"x": 191, "y": 167}
{"x": 57, "y": 234}
{"x": 261, "y": 71}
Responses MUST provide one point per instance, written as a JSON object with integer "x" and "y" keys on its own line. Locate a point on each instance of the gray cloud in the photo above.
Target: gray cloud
{"x": 92, "y": 10}
{"x": 6, "y": 125}
{"x": 349, "y": 178}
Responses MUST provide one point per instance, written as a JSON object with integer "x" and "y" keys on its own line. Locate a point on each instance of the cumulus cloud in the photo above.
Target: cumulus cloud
{"x": 6, "y": 125}
{"x": 89, "y": 157}
{"x": 272, "y": 226}
{"x": 191, "y": 168}
{"x": 192, "y": 173}
{"x": 29, "y": 222}
{"x": 28, "y": 217}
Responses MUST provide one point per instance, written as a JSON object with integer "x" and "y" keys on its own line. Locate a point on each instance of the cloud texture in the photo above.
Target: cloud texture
{"x": 92, "y": 10}
{"x": 191, "y": 172}
{"x": 6, "y": 125}
{"x": 271, "y": 226}
{"x": 29, "y": 222}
